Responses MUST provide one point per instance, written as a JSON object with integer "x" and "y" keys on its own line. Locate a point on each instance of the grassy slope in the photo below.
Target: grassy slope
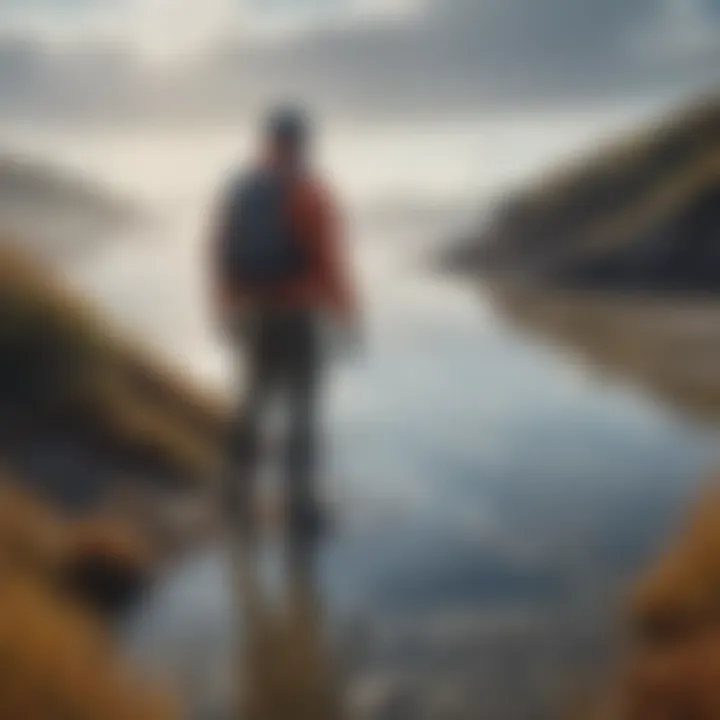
{"x": 610, "y": 199}
{"x": 63, "y": 367}
{"x": 673, "y": 665}
{"x": 62, "y": 363}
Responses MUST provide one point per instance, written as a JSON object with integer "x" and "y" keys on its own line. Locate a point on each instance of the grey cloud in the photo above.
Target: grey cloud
{"x": 468, "y": 53}
{"x": 37, "y": 82}
{"x": 458, "y": 55}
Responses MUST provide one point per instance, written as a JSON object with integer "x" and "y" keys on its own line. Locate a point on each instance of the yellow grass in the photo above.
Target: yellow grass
{"x": 57, "y": 660}
{"x": 683, "y": 590}
{"x": 673, "y": 672}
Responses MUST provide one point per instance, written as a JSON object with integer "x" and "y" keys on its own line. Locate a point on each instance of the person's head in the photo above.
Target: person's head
{"x": 287, "y": 133}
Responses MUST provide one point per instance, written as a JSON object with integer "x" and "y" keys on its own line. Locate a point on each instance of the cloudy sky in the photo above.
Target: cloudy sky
{"x": 210, "y": 59}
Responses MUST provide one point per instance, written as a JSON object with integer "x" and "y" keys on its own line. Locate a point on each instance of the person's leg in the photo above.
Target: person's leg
{"x": 302, "y": 377}
{"x": 256, "y": 344}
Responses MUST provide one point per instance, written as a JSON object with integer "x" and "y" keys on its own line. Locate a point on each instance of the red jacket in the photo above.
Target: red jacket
{"x": 326, "y": 284}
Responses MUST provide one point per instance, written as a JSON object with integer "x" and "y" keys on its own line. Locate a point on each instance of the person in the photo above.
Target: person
{"x": 279, "y": 270}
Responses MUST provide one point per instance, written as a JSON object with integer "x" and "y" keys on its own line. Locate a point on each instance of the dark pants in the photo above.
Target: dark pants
{"x": 283, "y": 355}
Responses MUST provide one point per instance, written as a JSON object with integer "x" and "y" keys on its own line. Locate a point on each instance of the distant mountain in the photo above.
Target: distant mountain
{"x": 642, "y": 214}
{"x": 53, "y": 212}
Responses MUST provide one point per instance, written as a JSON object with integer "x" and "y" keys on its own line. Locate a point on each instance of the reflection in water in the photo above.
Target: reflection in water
{"x": 286, "y": 667}
{"x": 672, "y": 349}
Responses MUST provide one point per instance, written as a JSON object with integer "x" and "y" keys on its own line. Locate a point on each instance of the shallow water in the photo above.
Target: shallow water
{"x": 482, "y": 482}
{"x": 493, "y": 497}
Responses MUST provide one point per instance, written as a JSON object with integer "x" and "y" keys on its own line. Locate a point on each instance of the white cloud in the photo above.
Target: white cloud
{"x": 166, "y": 28}
{"x": 143, "y": 26}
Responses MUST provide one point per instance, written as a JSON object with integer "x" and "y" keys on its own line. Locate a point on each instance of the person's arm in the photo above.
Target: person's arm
{"x": 220, "y": 293}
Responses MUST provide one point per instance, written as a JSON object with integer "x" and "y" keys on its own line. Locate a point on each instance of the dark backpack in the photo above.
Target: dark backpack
{"x": 259, "y": 247}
